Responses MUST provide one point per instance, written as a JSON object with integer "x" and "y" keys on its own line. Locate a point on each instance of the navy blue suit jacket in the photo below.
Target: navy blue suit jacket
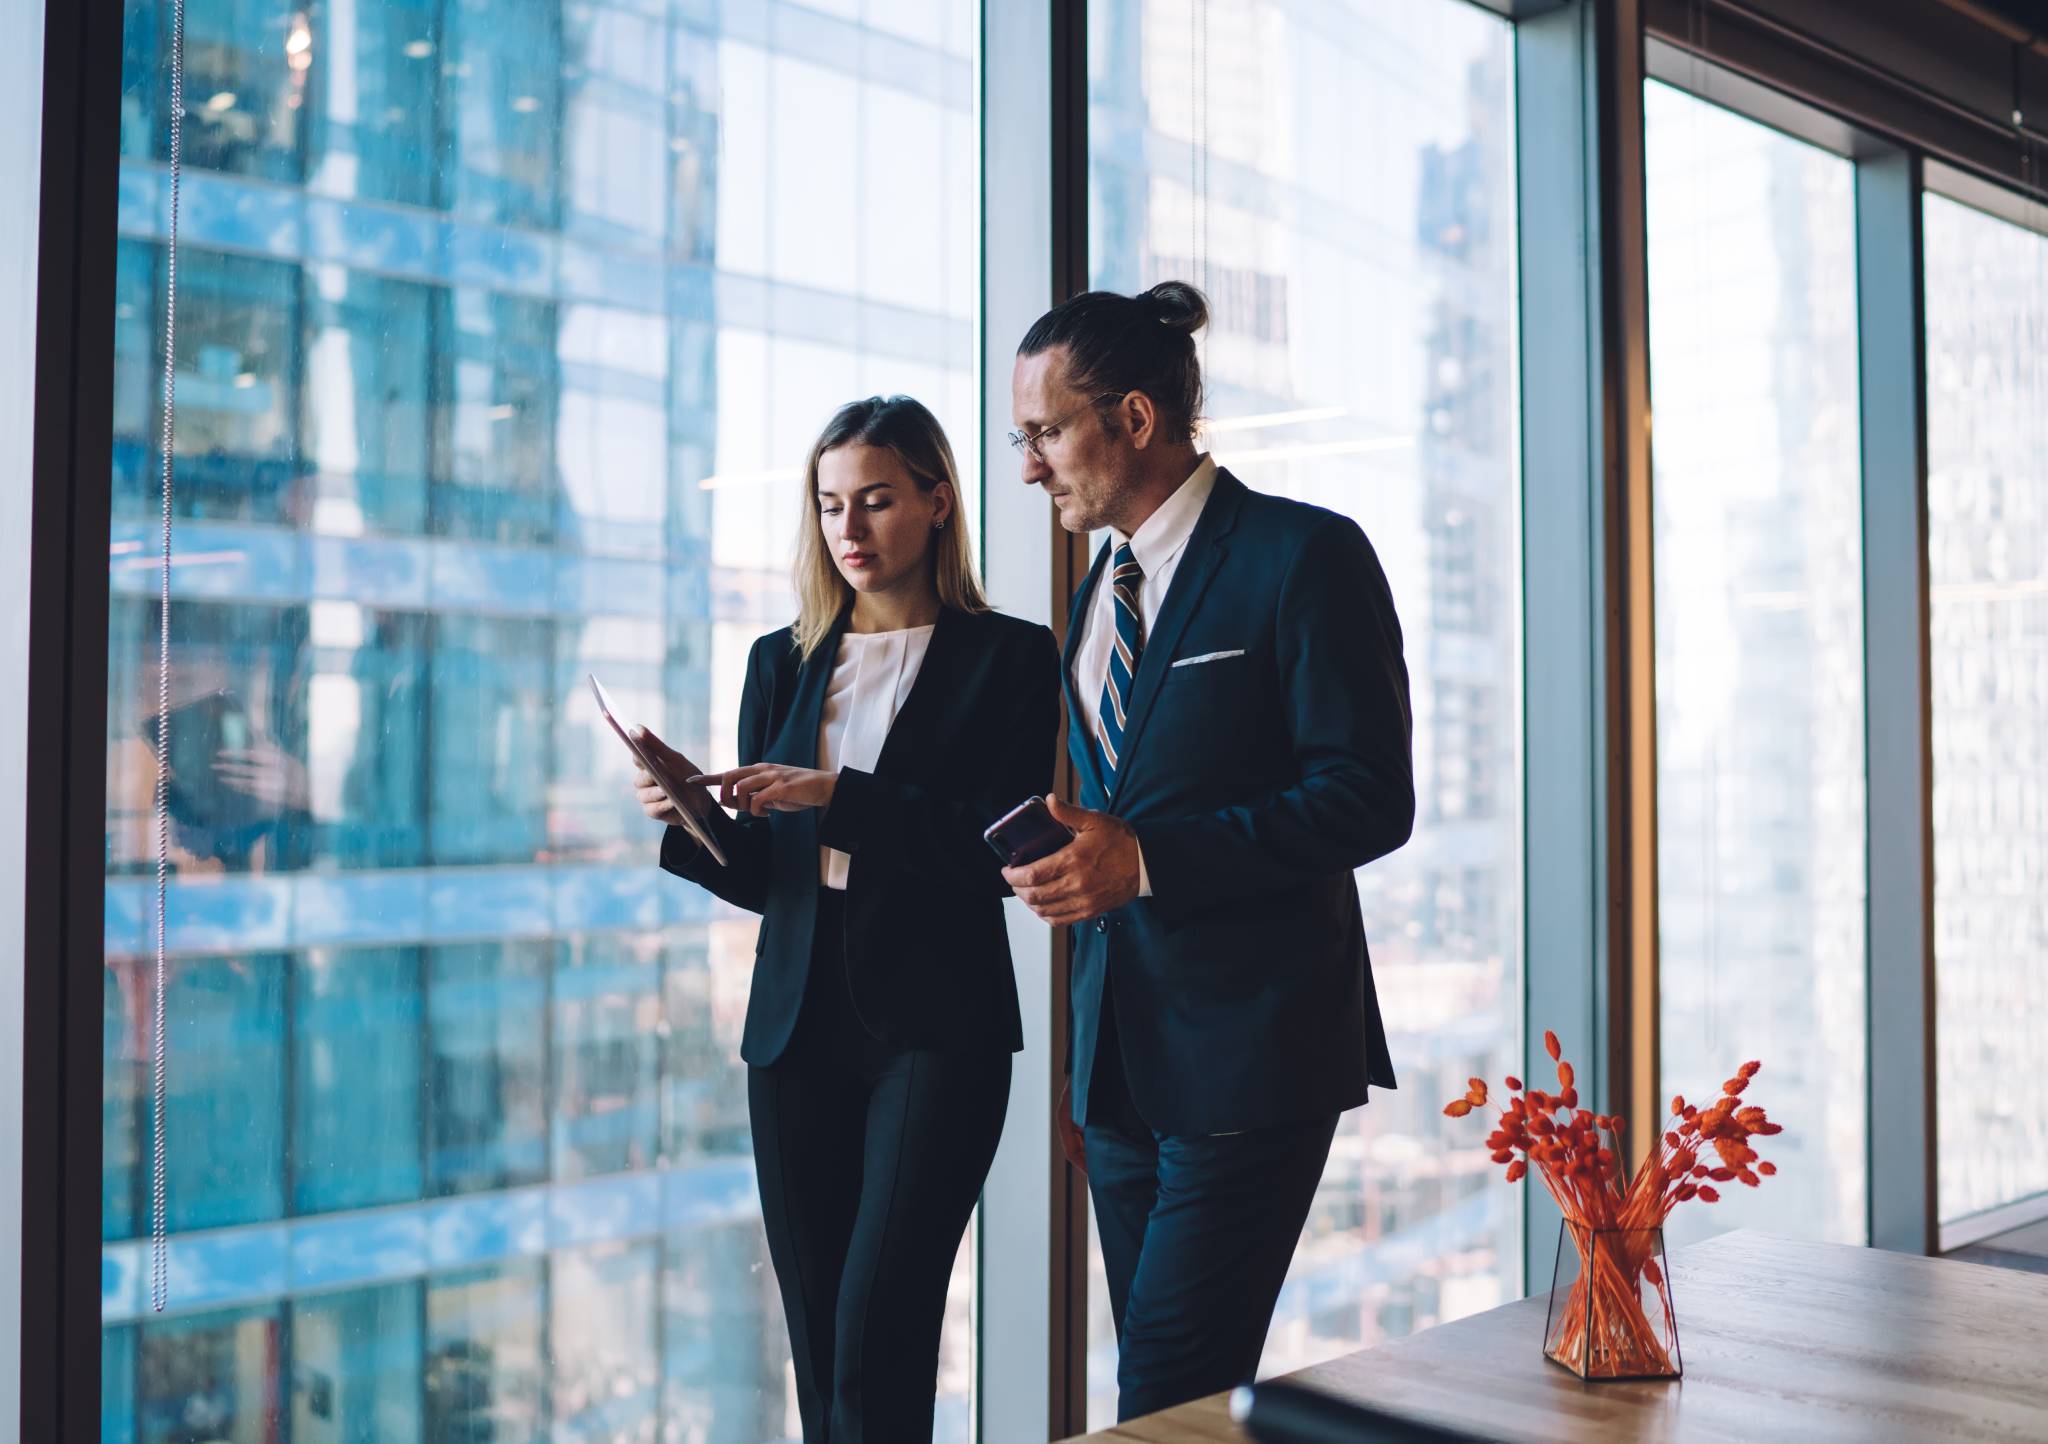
{"x": 927, "y": 952}
{"x": 1256, "y": 782}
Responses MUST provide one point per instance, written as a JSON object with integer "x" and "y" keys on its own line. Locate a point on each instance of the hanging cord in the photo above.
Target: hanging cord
{"x": 1198, "y": 160}
{"x": 159, "y": 1260}
{"x": 1194, "y": 141}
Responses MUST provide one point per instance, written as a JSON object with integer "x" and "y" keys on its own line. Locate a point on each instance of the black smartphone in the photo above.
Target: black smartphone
{"x": 201, "y": 729}
{"x": 1026, "y": 833}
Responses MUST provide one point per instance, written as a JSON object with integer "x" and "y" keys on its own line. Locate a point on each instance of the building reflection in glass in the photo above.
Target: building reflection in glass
{"x": 501, "y": 329}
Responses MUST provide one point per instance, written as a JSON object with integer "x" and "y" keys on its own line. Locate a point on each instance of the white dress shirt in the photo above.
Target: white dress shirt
{"x": 1157, "y": 546}
{"x": 871, "y": 677}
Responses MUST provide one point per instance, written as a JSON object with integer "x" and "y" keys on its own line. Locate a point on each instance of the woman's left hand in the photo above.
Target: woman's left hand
{"x": 767, "y": 787}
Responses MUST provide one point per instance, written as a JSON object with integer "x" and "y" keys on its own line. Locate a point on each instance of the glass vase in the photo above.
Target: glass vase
{"x": 1610, "y": 1305}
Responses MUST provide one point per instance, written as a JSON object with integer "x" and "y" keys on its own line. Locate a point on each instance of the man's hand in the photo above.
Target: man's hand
{"x": 266, "y": 772}
{"x": 767, "y": 787}
{"x": 1072, "y": 1142}
{"x": 1095, "y": 873}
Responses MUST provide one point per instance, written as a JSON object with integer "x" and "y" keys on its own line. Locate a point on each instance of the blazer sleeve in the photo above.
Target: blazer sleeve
{"x": 1344, "y": 689}
{"x": 940, "y": 833}
{"x": 743, "y": 882}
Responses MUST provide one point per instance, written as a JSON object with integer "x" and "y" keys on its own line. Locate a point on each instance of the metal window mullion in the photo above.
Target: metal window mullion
{"x": 1032, "y": 1294}
{"x": 1891, "y": 336}
{"x": 1589, "y": 801}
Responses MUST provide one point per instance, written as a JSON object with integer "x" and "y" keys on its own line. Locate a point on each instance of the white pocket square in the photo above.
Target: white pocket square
{"x": 1208, "y": 657}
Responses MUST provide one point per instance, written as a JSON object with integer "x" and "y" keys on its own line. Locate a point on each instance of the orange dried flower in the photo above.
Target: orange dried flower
{"x": 1734, "y": 1086}
{"x": 1767, "y": 1169}
{"x": 1516, "y": 1170}
{"x": 1708, "y": 1193}
{"x": 1550, "y": 1045}
{"x": 1750, "y": 1070}
{"x": 1457, "y": 1108}
{"x": 1678, "y": 1103}
{"x": 1565, "y": 1076}
{"x": 1514, "y": 1083}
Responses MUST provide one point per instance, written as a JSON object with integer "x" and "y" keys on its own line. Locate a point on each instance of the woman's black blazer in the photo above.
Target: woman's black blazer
{"x": 927, "y": 955}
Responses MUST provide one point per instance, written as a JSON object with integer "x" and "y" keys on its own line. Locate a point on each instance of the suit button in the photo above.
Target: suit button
{"x": 1102, "y": 925}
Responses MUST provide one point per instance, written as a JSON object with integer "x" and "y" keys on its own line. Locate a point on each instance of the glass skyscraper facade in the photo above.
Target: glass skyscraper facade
{"x": 502, "y": 332}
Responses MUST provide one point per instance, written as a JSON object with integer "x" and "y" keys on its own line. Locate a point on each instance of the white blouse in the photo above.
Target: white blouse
{"x": 870, "y": 680}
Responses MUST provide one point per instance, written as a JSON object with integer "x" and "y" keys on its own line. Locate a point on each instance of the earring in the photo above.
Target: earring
{"x": 939, "y": 525}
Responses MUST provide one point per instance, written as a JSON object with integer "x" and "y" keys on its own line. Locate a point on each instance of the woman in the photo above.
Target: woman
{"x": 879, "y": 735}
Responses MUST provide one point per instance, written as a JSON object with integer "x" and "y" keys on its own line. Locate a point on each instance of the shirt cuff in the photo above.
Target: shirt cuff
{"x": 1144, "y": 877}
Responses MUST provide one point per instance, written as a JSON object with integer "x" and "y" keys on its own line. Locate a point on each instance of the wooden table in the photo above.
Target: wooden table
{"x": 1781, "y": 1340}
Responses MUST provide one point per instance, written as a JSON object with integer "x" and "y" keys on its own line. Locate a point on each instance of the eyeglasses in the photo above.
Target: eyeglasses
{"x": 1032, "y": 441}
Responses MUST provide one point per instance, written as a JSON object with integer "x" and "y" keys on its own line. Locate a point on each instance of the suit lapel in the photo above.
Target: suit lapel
{"x": 1198, "y": 563}
{"x": 1088, "y": 762}
{"x": 934, "y": 684}
{"x": 807, "y": 707}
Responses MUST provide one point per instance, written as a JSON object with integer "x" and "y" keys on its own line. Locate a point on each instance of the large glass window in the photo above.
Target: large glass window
{"x": 503, "y": 331}
{"x": 1356, "y": 239}
{"x": 1759, "y": 647}
{"x": 1987, "y": 544}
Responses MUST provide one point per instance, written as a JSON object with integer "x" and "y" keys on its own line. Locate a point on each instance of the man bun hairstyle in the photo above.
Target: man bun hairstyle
{"x": 1118, "y": 344}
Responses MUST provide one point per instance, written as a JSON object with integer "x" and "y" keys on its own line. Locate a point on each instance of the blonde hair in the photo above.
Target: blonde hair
{"x": 901, "y": 425}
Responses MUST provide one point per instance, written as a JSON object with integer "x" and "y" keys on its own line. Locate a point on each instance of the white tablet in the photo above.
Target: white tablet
{"x": 673, "y": 786}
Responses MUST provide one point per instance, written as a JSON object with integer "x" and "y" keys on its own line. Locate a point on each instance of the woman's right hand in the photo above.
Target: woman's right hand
{"x": 651, "y": 795}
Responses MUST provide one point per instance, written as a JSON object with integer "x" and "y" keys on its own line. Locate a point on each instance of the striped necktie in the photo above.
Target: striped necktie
{"x": 1125, "y": 578}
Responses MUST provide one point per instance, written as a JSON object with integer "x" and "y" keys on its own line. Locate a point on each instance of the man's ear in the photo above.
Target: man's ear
{"x": 1141, "y": 419}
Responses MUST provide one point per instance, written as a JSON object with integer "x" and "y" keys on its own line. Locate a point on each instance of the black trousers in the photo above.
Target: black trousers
{"x": 870, "y": 1161}
{"x": 1197, "y": 1233}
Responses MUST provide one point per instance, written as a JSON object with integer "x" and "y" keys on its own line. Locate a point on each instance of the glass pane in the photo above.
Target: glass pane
{"x": 1987, "y": 547}
{"x": 356, "y": 1367}
{"x": 214, "y": 1378}
{"x": 356, "y": 1084}
{"x": 502, "y": 333}
{"x": 1759, "y": 596}
{"x": 1357, "y": 247}
{"x": 484, "y": 1372}
{"x": 487, "y": 1066}
{"x": 605, "y": 1371}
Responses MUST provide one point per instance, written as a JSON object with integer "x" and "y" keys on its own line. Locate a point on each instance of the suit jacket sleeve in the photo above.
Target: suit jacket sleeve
{"x": 1344, "y": 689}
{"x": 744, "y": 881}
{"x": 940, "y": 833}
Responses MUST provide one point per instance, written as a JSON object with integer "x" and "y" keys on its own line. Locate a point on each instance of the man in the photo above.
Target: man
{"x": 1238, "y": 720}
